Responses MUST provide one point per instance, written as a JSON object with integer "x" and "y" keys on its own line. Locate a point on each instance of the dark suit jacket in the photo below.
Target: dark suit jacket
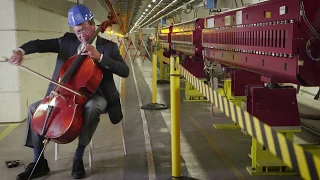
{"x": 112, "y": 62}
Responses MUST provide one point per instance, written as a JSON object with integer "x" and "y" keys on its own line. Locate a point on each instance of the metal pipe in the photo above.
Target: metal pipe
{"x": 130, "y": 15}
{"x": 115, "y": 12}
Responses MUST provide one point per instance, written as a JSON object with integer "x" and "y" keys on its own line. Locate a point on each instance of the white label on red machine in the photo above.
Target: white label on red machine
{"x": 210, "y": 23}
{"x": 239, "y": 17}
{"x": 227, "y": 20}
{"x": 282, "y": 10}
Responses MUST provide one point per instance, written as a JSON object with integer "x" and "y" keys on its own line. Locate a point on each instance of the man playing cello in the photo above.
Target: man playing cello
{"x": 105, "y": 99}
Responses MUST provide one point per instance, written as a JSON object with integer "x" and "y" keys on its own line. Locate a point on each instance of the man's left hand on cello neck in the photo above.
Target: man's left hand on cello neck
{"x": 92, "y": 52}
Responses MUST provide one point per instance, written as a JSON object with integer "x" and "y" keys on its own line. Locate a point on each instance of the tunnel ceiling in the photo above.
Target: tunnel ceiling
{"x": 130, "y": 11}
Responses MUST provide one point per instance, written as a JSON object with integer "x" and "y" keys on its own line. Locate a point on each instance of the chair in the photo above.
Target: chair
{"x": 56, "y": 149}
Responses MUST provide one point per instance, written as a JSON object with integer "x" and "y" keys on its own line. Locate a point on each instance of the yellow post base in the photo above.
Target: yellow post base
{"x": 270, "y": 172}
{"x": 192, "y": 94}
{"x": 264, "y": 163}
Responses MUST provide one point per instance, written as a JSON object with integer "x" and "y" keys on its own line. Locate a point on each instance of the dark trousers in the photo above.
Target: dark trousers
{"x": 94, "y": 107}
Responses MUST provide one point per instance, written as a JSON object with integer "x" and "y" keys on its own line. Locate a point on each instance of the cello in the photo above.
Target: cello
{"x": 59, "y": 116}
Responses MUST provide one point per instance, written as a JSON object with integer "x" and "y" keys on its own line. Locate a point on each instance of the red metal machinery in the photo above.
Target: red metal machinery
{"x": 267, "y": 40}
{"x": 186, "y": 40}
{"x": 264, "y": 45}
{"x": 165, "y": 40}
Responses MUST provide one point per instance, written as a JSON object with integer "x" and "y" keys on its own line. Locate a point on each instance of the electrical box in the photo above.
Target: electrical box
{"x": 163, "y": 21}
{"x": 210, "y": 4}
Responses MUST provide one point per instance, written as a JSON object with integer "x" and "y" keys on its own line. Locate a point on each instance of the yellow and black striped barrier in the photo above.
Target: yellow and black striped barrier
{"x": 292, "y": 154}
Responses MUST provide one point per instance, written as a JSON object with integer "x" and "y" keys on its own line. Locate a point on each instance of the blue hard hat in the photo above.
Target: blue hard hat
{"x": 79, "y": 14}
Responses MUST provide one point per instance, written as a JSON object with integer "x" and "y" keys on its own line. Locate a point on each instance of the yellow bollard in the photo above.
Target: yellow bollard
{"x": 154, "y": 78}
{"x": 175, "y": 117}
{"x": 154, "y": 105}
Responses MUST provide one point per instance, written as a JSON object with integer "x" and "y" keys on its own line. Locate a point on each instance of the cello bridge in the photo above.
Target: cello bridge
{"x": 55, "y": 94}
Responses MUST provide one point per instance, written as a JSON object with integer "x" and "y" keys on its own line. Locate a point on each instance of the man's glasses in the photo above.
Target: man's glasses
{"x": 82, "y": 32}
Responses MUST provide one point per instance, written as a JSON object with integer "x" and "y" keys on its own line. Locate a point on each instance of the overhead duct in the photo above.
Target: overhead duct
{"x": 76, "y": 1}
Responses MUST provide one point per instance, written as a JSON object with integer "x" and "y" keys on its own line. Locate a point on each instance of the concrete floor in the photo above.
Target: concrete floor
{"x": 206, "y": 153}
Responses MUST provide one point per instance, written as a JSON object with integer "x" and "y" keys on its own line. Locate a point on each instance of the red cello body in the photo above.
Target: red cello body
{"x": 59, "y": 117}
{"x": 66, "y": 119}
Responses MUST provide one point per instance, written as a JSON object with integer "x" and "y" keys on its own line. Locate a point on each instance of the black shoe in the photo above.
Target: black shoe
{"x": 78, "y": 171}
{"x": 41, "y": 169}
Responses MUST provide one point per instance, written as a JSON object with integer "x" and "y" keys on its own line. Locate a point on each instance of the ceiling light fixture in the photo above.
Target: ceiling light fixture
{"x": 151, "y": 10}
{"x": 166, "y": 14}
{"x": 138, "y": 21}
{"x": 161, "y": 11}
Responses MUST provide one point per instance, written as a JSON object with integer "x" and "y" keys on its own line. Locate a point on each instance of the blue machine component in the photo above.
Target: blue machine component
{"x": 210, "y": 4}
{"x": 163, "y": 21}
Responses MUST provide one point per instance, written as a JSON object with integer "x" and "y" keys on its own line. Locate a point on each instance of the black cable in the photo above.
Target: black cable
{"x": 308, "y": 44}
{"x": 242, "y": 3}
{"x": 308, "y": 48}
{"x": 306, "y": 20}
{"x": 195, "y": 12}
{"x": 187, "y": 12}
{"x": 317, "y": 95}
{"x": 236, "y": 3}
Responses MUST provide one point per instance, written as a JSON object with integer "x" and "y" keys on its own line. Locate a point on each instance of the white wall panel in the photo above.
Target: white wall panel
{"x": 57, "y": 23}
{"x": 7, "y": 16}
{"x": 34, "y": 18}
{"x": 64, "y": 24}
{"x": 46, "y": 20}
{"x": 22, "y": 15}
{"x": 8, "y": 39}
